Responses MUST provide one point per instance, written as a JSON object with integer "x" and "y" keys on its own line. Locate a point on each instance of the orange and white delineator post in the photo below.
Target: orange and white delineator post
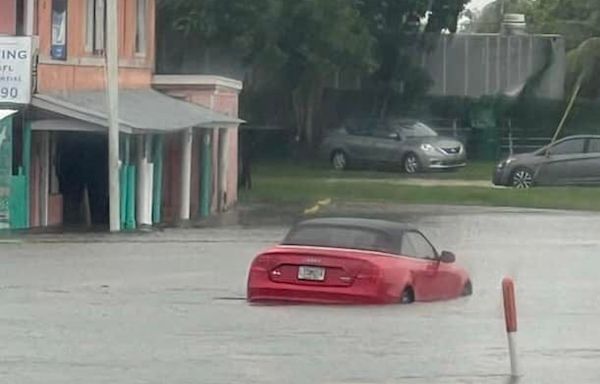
{"x": 510, "y": 317}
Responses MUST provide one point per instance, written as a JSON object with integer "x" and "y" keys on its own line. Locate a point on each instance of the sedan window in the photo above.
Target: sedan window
{"x": 594, "y": 146}
{"x": 414, "y": 244}
{"x": 360, "y": 127}
{"x": 568, "y": 147}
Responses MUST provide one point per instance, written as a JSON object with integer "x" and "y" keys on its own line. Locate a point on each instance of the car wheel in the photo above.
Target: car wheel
{"x": 408, "y": 296}
{"x": 467, "y": 289}
{"x": 339, "y": 160}
{"x": 522, "y": 178}
{"x": 411, "y": 163}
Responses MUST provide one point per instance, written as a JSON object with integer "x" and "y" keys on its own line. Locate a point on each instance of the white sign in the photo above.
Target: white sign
{"x": 15, "y": 69}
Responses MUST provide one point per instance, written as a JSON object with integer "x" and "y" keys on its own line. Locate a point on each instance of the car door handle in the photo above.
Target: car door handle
{"x": 432, "y": 268}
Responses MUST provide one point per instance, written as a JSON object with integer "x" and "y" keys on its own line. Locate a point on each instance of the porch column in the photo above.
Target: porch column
{"x": 145, "y": 176}
{"x": 206, "y": 182}
{"x": 223, "y": 169}
{"x": 158, "y": 178}
{"x": 30, "y": 17}
{"x": 44, "y": 177}
{"x": 186, "y": 173}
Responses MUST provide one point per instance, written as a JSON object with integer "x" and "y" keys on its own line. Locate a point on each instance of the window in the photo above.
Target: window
{"x": 95, "y": 26}
{"x": 58, "y": 49}
{"x": 360, "y": 127}
{"x": 568, "y": 147}
{"x": 384, "y": 131}
{"x": 140, "y": 33}
{"x": 414, "y": 244}
{"x": 339, "y": 237}
{"x": 594, "y": 146}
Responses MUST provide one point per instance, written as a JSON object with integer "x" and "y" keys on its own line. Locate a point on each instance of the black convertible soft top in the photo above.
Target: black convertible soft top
{"x": 352, "y": 233}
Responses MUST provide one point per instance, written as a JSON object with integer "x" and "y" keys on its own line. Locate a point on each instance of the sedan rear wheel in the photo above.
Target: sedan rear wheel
{"x": 468, "y": 289}
{"x": 339, "y": 161}
{"x": 411, "y": 163}
{"x": 522, "y": 178}
{"x": 408, "y": 296}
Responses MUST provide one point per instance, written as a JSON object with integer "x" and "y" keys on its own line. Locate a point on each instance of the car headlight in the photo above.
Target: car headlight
{"x": 427, "y": 147}
{"x": 504, "y": 163}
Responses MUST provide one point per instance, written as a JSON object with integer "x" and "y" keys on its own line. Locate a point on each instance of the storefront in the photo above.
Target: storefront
{"x": 6, "y": 154}
{"x": 161, "y": 140}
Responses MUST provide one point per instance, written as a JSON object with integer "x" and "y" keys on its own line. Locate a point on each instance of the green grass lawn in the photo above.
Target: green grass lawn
{"x": 307, "y": 184}
{"x": 473, "y": 171}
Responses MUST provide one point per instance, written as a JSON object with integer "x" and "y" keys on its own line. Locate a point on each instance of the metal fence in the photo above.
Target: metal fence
{"x": 512, "y": 145}
{"x": 449, "y": 128}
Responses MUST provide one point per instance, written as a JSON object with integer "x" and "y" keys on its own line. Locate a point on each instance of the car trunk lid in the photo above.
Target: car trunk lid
{"x": 322, "y": 266}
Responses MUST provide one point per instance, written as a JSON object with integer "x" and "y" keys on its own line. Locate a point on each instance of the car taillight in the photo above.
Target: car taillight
{"x": 264, "y": 262}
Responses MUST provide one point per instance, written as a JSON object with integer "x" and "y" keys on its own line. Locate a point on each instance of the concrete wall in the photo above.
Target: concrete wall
{"x": 83, "y": 70}
{"x": 487, "y": 64}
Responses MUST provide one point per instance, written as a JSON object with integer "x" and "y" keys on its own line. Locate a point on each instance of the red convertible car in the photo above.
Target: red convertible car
{"x": 355, "y": 261}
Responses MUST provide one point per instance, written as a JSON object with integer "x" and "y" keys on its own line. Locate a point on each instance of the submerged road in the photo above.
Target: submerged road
{"x": 167, "y": 307}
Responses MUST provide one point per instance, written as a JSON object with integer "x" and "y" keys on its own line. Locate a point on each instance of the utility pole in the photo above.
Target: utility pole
{"x": 112, "y": 89}
{"x": 29, "y": 16}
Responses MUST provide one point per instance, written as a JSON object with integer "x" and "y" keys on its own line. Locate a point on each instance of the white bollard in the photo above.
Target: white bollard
{"x": 510, "y": 317}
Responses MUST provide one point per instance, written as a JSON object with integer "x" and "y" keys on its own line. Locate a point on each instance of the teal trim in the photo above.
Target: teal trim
{"x": 16, "y": 204}
{"x": 131, "y": 182}
{"x": 123, "y": 195}
{"x": 206, "y": 182}
{"x": 6, "y": 169}
{"x": 158, "y": 178}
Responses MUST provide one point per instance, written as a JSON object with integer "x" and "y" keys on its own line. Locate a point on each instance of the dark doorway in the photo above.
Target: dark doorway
{"x": 83, "y": 176}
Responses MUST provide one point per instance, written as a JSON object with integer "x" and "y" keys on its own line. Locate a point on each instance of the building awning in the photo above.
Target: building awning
{"x": 6, "y": 112}
{"x": 67, "y": 125}
{"x": 140, "y": 111}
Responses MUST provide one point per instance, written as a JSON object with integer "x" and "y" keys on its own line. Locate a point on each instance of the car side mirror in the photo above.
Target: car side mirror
{"x": 447, "y": 257}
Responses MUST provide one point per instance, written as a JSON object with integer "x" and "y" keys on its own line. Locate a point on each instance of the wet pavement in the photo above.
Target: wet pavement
{"x": 167, "y": 306}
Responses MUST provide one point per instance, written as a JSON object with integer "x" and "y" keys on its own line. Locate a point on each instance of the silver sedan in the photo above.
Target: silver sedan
{"x": 408, "y": 143}
{"x": 574, "y": 160}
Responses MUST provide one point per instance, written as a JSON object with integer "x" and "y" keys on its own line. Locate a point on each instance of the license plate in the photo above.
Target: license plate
{"x": 311, "y": 273}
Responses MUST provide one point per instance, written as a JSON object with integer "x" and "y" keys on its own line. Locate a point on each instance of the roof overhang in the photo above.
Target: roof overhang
{"x": 196, "y": 80}
{"x": 67, "y": 125}
{"x": 6, "y": 113}
{"x": 140, "y": 111}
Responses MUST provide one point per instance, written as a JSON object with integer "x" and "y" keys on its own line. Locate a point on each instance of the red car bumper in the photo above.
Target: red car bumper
{"x": 315, "y": 297}
{"x": 361, "y": 292}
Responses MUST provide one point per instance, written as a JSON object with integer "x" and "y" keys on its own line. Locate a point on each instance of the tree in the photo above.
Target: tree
{"x": 298, "y": 45}
{"x": 293, "y": 45}
{"x": 576, "y": 20}
{"x": 320, "y": 38}
{"x": 397, "y": 26}
{"x": 490, "y": 18}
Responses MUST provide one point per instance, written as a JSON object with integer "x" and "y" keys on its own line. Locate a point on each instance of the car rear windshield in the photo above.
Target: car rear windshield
{"x": 340, "y": 237}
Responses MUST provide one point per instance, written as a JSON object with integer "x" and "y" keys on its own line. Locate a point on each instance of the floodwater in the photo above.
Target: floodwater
{"x": 167, "y": 307}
